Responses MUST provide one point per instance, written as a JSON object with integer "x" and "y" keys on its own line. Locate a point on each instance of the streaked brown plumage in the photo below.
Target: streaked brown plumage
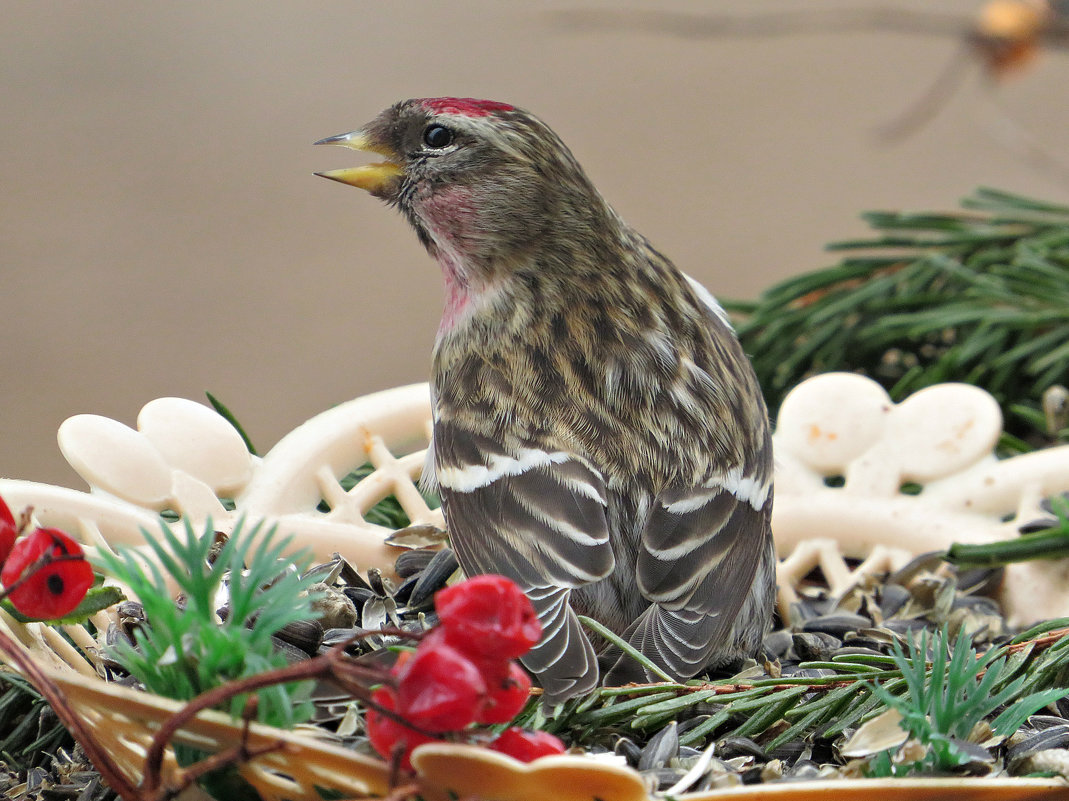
{"x": 599, "y": 435}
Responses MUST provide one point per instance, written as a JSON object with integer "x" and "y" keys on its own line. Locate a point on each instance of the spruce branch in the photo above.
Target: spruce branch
{"x": 980, "y": 296}
{"x": 1008, "y": 683}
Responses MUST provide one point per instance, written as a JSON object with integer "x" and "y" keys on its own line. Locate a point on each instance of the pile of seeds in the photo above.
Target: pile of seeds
{"x": 784, "y": 732}
{"x": 67, "y": 776}
{"x": 693, "y": 739}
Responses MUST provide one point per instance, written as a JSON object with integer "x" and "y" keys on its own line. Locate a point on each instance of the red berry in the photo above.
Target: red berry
{"x": 527, "y": 746}
{"x": 9, "y": 530}
{"x": 439, "y": 688}
{"x": 488, "y": 615}
{"x": 507, "y": 692}
{"x": 56, "y": 588}
{"x": 386, "y": 734}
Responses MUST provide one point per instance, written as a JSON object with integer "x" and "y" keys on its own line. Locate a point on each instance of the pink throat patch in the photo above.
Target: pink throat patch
{"x": 468, "y": 106}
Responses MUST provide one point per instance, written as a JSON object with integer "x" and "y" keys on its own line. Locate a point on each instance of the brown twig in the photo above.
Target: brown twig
{"x": 1040, "y": 642}
{"x": 334, "y": 664}
{"x": 236, "y": 754}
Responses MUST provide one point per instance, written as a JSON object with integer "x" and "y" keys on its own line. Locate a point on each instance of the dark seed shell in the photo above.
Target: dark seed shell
{"x": 131, "y": 609}
{"x": 923, "y": 563}
{"x": 409, "y": 563}
{"x": 115, "y": 634}
{"x": 1053, "y": 737}
{"x": 378, "y": 582}
{"x": 332, "y": 637}
{"x": 665, "y": 777}
{"x": 628, "y": 749}
{"x": 291, "y": 652}
{"x": 404, "y": 592}
{"x": 663, "y": 746}
{"x": 815, "y": 646}
{"x": 789, "y": 752}
{"x": 1039, "y": 722}
{"x": 777, "y": 643}
{"x": 893, "y": 598}
{"x": 441, "y": 567}
{"x": 304, "y": 634}
{"x": 980, "y": 580}
{"x": 904, "y": 627}
{"x": 359, "y": 595}
{"x": 838, "y": 625}
{"x": 732, "y": 747}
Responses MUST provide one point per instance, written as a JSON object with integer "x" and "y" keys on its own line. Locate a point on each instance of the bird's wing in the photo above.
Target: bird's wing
{"x": 537, "y": 517}
{"x": 703, "y": 552}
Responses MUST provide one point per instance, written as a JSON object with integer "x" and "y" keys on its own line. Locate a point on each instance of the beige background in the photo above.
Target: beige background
{"x": 161, "y": 232}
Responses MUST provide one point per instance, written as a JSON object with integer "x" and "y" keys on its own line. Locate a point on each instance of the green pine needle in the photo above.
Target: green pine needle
{"x": 228, "y": 415}
{"x": 624, "y": 646}
{"x": 979, "y": 296}
{"x": 30, "y": 733}
{"x": 942, "y": 699}
{"x": 1049, "y": 543}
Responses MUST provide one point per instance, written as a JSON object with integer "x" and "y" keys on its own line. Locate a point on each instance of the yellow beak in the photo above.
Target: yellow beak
{"x": 373, "y": 178}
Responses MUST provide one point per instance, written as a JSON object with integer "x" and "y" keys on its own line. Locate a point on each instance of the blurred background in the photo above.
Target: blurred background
{"x": 161, "y": 232}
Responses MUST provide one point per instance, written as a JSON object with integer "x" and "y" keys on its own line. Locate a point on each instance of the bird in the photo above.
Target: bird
{"x": 599, "y": 435}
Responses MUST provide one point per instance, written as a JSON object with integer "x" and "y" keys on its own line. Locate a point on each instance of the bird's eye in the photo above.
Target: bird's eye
{"x": 437, "y": 136}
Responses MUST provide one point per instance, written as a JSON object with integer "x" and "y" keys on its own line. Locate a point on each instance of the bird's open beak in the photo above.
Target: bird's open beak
{"x": 373, "y": 178}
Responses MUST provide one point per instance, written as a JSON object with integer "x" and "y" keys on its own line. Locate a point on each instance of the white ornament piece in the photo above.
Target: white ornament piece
{"x": 844, "y": 452}
{"x": 185, "y": 459}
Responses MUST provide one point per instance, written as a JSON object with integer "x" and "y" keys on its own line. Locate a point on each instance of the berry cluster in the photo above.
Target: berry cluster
{"x": 45, "y": 574}
{"x": 462, "y": 674}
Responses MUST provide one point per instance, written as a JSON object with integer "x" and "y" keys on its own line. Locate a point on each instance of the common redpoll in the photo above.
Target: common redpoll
{"x": 599, "y": 435}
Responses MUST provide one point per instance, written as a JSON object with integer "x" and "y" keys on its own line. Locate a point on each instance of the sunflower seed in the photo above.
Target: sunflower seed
{"x": 1053, "y": 737}
{"x": 441, "y": 567}
{"x": 628, "y": 749}
{"x": 837, "y": 625}
{"x": 732, "y": 747}
{"x": 304, "y": 634}
{"x": 292, "y": 653}
{"x": 359, "y": 595}
{"x": 373, "y": 615}
{"x": 777, "y": 643}
{"x": 1039, "y": 722}
{"x": 924, "y": 563}
{"x": 662, "y": 747}
{"x": 815, "y": 646}
{"x": 378, "y": 582}
{"x": 419, "y": 535}
{"x": 893, "y": 598}
{"x": 411, "y": 563}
